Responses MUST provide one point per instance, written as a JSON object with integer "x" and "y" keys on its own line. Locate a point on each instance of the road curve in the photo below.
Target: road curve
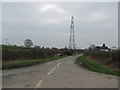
{"x": 62, "y": 73}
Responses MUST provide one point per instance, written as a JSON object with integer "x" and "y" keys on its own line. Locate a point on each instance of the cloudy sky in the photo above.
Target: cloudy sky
{"x": 48, "y": 24}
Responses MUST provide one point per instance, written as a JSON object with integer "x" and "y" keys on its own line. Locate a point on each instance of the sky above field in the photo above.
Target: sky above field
{"x": 48, "y": 24}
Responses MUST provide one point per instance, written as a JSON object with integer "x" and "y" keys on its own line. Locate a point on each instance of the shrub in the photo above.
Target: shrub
{"x": 14, "y": 53}
{"x": 113, "y": 56}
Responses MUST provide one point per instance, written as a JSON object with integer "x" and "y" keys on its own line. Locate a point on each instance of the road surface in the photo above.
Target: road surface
{"x": 62, "y": 73}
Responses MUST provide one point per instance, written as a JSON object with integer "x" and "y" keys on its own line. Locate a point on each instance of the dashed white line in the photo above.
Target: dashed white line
{"x": 39, "y": 83}
{"x": 58, "y": 64}
{"x": 54, "y": 69}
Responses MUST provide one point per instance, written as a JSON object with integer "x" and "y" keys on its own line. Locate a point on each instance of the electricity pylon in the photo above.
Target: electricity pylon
{"x": 72, "y": 35}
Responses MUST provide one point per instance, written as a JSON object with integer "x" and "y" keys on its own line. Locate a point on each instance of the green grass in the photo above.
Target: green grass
{"x": 94, "y": 66}
{"x": 22, "y": 63}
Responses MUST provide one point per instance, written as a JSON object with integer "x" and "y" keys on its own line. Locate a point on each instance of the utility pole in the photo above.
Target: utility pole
{"x": 6, "y": 41}
{"x": 72, "y": 35}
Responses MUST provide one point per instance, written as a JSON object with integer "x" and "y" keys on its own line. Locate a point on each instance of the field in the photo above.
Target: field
{"x": 23, "y": 53}
{"x": 16, "y": 56}
{"x": 22, "y": 63}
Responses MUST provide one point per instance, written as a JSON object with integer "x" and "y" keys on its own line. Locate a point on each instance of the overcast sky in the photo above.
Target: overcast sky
{"x": 48, "y": 24}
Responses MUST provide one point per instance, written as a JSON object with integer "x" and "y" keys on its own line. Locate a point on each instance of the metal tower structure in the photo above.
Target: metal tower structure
{"x": 6, "y": 41}
{"x": 72, "y": 35}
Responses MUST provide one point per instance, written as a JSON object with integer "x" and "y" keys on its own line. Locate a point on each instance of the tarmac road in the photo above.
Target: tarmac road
{"x": 62, "y": 73}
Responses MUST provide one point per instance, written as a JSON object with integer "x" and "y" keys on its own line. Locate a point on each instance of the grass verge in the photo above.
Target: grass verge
{"x": 23, "y": 63}
{"x": 94, "y": 66}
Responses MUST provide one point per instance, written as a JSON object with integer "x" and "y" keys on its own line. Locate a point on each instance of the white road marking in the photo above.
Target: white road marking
{"x": 58, "y": 64}
{"x": 54, "y": 69}
{"x": 39, "y": 83}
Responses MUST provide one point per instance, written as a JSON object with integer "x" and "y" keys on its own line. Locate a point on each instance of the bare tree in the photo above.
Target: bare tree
{"x": 28, "y": 43}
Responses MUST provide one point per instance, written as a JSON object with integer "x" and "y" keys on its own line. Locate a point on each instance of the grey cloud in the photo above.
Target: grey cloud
{"x": 51, "y": 28}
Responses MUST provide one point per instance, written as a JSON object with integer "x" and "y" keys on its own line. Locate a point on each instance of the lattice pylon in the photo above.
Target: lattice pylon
{"x": 72, "y": 35}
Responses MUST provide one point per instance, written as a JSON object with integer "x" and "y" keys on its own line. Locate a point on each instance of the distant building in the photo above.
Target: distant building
{"x": 102, "y": 48}
{"x": 92, "y": 47}
{"x": 114, "y": 49}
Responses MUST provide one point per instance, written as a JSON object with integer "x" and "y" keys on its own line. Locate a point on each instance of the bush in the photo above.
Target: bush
{"x": 10, "y": 54}
{"x": 19, "y": 53}
{"x": 114, "y": 56}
